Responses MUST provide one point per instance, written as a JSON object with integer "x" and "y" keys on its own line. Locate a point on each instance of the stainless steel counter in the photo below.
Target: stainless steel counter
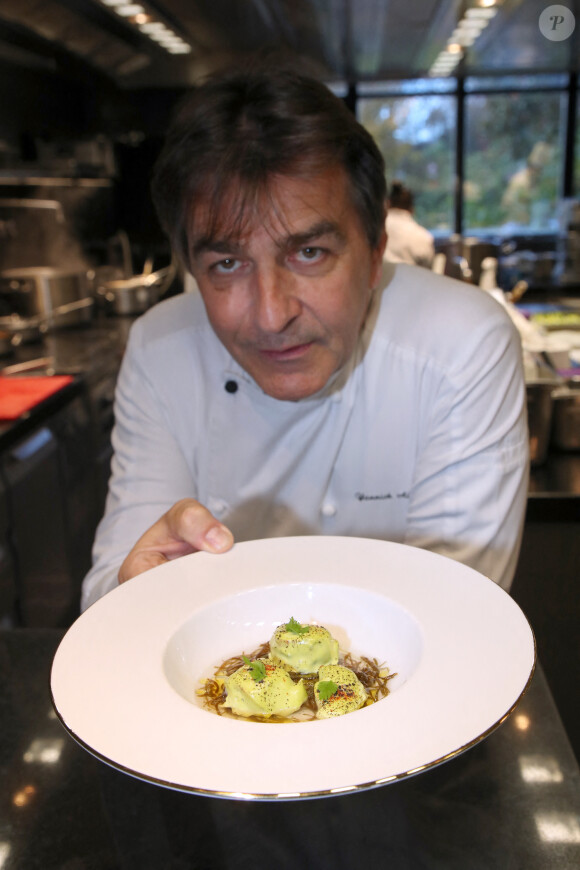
{"x": 513, "y": 801}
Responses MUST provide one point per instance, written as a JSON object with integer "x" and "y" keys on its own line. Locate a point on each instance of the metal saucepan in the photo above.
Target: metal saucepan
{"x": 28, "y": 330}
{"x": 39, "y": 291}
{"x": 566, "y": 420}
{"x": 135, "y": 295}
{"x": 45, "y": 364}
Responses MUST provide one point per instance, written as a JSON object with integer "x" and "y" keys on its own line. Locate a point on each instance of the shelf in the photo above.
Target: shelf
{"x": 14, "y": 180}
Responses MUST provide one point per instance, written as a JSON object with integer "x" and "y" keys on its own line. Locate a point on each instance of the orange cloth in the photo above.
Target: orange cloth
{"x": 18, "y": 395}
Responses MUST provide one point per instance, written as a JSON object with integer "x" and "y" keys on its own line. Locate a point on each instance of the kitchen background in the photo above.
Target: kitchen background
{"x": 468, "y": 99}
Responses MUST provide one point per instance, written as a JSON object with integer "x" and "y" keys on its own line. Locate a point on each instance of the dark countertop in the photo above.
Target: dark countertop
{"x": 90, "y": 352}
{"x": 511, "y": 801}
{"x": 554, "y": 489}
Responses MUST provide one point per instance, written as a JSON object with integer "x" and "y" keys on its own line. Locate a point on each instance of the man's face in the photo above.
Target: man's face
{"x": 288, "y": 297}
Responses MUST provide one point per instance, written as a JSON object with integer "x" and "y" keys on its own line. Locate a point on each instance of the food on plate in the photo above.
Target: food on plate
{"x": 338, "y": 691}
{"x": 262, "y": 688}
{"x": 303, "y": 649}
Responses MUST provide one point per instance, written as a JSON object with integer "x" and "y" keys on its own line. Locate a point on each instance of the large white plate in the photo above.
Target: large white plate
{"x": 124, "y": 676}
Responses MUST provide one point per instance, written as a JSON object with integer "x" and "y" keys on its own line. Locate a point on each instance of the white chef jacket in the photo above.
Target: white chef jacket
{"x": 408, "y": 241}
{"x": 421, "y": 438}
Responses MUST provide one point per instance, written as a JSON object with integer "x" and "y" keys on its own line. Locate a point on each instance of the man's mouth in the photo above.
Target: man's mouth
{"x": 292, "y": 352}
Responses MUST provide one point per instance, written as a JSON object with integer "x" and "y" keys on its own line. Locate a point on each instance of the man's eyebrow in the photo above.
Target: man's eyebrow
{"x": 206, "y": 244}
{"x": 323, "y": 228}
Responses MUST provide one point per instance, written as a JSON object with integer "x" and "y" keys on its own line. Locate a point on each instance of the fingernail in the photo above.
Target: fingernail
{"x": 218, "y": 538}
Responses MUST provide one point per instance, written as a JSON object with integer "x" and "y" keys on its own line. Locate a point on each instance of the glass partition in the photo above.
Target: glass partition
{"x": 509, "y": 133}
{"x": 514, "y": 155}
{"x": 417, "y": 137}
{"x": 576, "y": 181}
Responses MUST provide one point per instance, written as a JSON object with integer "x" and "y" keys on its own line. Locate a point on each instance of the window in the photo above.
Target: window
{"x": 513, "y": 149}
{"x": 514, "y": 159}
{"x": 416, "y": 135}
{"x": 576, "y": 182}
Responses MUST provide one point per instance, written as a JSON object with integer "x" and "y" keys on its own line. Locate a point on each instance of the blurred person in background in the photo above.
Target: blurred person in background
{"x": 407, "y": 241}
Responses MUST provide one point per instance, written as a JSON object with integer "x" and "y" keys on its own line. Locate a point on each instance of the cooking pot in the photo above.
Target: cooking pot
{"x": 28, "y": 330}
{"x": 38, "y": 291}
{"x": 135, "y": 295}
{"x": 540, "y": 410}
{"x": 22, "y": 330}
{"x": 566, "y": 417}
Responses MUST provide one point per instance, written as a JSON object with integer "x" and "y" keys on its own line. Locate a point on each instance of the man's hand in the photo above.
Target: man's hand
{"x": 186, "y": 528}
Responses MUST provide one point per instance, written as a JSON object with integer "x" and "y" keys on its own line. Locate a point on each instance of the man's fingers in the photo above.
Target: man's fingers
{"x": 190, "y": 521}
{"x": 138, "y": 562}
{"x": 217, "y": 540}
{"x": 186, "y": 527}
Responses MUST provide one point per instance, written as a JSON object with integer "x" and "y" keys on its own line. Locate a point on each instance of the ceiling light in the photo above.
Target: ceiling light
{"x": 479, "y": 12}
{"x": 448, "y": 58}
{"x": 471, "y": 25}
{"x": 143, "y": 20}
{"x": 446, "y": 62}
{"x": 467, "y": 31}
{"x": 129, "y": 10}
{"x": 159, "y": 36}
{"x": 444, "y": 67}
{"x": 152, "y": 27}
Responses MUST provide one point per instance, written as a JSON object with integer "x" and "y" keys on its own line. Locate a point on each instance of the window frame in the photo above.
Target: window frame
{"x": 569, "y": 185}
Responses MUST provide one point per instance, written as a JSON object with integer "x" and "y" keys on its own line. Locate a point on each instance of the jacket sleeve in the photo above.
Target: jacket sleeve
{"x": 149, "y": 472}
{"x": 469, "y": 492}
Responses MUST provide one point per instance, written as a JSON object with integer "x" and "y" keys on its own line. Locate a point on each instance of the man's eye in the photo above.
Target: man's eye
{"x": 310, "y": 254}
{"x": 229, "y": 264}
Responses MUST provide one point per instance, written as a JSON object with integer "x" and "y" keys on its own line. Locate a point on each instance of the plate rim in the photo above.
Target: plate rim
{"x": 310, "y": 793}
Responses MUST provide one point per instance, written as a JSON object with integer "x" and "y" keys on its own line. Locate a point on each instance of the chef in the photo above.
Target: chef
{"x": 307, "y": 387}
{"x": 407, "y": 240}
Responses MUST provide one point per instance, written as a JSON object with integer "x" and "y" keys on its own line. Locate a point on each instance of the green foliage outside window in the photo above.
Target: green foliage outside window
{"x": 513, "y": 156}
{"x": 416, "y": 136}
{"x": 513, "y": 160}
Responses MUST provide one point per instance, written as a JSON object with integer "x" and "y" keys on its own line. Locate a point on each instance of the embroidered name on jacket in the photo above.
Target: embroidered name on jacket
{"x": 362, "y": 496}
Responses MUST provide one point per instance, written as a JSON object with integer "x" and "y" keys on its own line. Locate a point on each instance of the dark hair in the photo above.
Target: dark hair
{"x": 400, "y": 196}
{"x": 246, "y": 126}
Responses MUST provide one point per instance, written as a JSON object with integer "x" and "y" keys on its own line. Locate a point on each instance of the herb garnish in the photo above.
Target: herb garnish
{"x": 295, "y": 627}
{"x": 326, "y": 689}
{"x": 257, "y": 669}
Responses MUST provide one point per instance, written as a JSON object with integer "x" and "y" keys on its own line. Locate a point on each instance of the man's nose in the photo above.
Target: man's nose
{"x": 276, "y": 303}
